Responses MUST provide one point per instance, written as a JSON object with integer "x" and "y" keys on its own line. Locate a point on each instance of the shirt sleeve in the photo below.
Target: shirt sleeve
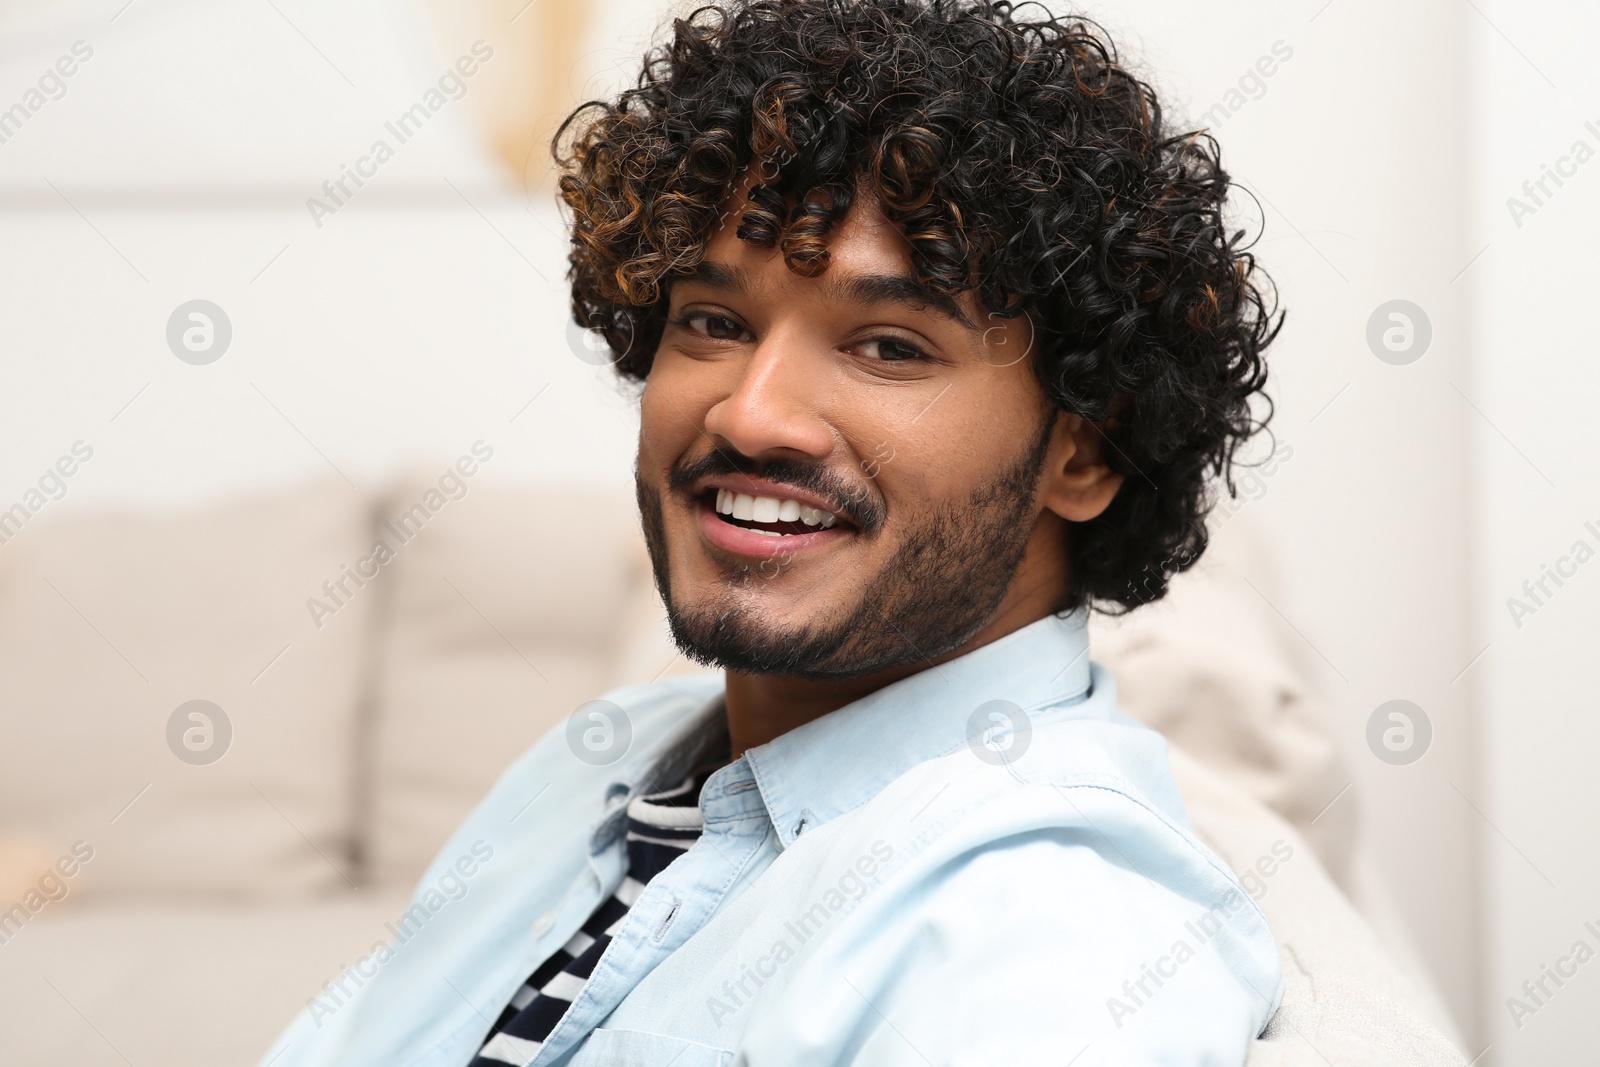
{"x": 1056, "y": 946}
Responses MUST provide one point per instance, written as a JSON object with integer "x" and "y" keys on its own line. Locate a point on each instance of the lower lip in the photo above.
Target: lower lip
{"x": 742, "y": 542}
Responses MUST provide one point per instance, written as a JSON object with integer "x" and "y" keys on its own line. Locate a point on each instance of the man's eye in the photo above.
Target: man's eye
{"x": 716, "y": 327}
{"x": 891, "y": 351}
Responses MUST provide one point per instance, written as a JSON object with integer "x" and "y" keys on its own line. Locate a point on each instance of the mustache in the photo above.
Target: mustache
{"x": 854, "y": 502}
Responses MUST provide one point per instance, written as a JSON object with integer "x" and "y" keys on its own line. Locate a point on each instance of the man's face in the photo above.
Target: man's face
{"x": 836, "y": 477}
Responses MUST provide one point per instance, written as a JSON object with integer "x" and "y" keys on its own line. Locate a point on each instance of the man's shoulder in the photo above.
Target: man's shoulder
{"x": 1064, "y": 772}
{"x": 1067, "y": 772}
{"x": 1093, "y": 787}
{"x": 1080, "y": 781}
{"x": 1066, "y": 857}
{"x": 1063, "y": 750}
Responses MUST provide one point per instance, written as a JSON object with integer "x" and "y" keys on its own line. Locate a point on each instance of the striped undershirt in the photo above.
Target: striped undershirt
{"x": 661, "y": 827}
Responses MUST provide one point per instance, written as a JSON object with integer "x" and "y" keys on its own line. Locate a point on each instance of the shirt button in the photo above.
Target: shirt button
{"x": 543, "y": 923}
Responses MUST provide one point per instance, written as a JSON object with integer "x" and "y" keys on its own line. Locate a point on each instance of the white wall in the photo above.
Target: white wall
{"x": 1536, "y": 95}
{"x": 421, "y": 316}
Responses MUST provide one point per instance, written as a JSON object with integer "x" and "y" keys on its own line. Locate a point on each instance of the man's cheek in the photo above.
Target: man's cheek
{"x": 667, "y": 429}
{"x": 883, "y": 452}
{"x": 656, "y": 452}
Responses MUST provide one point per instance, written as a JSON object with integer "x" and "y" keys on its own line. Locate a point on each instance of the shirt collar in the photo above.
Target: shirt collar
{"x": 840, "y": 761}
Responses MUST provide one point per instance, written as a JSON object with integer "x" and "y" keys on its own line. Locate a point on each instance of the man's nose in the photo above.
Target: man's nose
{"x": 773, "y": 407}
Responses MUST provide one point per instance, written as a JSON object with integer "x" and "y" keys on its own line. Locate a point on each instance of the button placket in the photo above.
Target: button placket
{"x": 683, "y": 896}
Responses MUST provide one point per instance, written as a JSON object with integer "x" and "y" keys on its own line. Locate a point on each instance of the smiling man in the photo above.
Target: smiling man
{"x": 941, "y": 341}
{"x": 844, "y": 478}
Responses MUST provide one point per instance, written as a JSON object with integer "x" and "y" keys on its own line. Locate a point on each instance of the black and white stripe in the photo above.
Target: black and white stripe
{"x": 661, "y": 827}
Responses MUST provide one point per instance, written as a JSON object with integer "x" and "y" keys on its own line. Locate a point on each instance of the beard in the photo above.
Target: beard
{"x": 943, "y": 583}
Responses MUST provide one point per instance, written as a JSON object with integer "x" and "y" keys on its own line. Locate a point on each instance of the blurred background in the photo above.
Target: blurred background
{"x": 232, "y": 320}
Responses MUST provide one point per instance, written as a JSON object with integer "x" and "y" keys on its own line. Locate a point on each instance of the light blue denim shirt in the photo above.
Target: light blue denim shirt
{"x": 925, "y": 876}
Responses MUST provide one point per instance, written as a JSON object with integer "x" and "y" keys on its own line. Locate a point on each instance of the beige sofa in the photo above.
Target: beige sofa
{"x": 167, "y": 905}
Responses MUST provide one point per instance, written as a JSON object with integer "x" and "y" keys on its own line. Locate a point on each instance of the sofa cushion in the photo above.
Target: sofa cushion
{"x": 500, "y": 617}
{"x": 1345, "y": 1001}
{"x": 110, "y": 622}
{"x": 1214, "y": 668}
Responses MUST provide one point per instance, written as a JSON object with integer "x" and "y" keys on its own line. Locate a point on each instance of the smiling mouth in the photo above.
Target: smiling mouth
{"x": 770, "y": 516}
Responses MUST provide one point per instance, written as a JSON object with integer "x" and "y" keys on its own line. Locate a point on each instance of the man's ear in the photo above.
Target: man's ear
{"x": 1075, "y": 483}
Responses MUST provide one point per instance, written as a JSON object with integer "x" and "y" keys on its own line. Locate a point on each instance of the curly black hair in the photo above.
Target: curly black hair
{"x": 1019, "y": 158}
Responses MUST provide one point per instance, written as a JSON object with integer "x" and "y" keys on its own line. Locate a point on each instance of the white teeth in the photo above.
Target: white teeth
{"x": 771, "y": 509}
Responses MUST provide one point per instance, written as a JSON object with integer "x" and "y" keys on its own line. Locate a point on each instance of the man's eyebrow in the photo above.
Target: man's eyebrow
{"x": 896, "y": 289}
{"x": 720, "y": 277}
{"x": 855, "y": 288}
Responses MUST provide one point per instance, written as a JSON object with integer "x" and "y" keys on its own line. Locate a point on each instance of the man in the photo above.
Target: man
{"x": 941, "y": 340}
